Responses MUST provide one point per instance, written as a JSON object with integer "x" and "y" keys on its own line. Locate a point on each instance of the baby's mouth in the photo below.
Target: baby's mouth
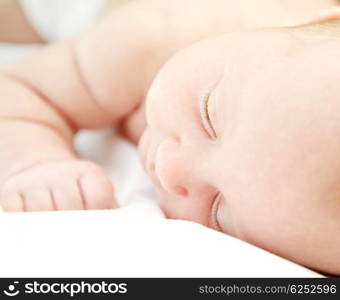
{"x": 150, "y": 170}
{"x": 149, "y": 164}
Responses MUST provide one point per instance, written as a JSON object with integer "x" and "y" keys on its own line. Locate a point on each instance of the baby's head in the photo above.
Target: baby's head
{"x": 244, "y": 136}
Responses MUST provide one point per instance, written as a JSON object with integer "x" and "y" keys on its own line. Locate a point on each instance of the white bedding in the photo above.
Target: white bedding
{"x": 135, "y": 240}
{"x": 128, "y": 242}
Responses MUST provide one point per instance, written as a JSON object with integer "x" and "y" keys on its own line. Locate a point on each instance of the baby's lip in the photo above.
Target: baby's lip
{"x": 149, "y": 164}
{"x": 150, "y": 170}
{"x": 156, "y": 181}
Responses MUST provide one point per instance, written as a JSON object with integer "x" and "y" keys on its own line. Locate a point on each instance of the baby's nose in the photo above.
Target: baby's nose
{"x": 174, "y": 167}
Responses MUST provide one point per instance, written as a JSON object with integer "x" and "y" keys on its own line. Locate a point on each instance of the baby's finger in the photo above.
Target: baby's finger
{"x": 13, "y": 202}
{"x": 97, "y": 191}
{"x": 38, "y": 200}
{"x": 67, "y": 196}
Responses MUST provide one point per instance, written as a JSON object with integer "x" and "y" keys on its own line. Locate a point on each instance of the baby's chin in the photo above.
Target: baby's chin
{"x": 168, "y": 205}
{"x": 175, "y": 207}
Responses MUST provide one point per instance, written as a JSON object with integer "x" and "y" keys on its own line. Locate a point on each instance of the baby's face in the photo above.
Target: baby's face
{"x": 244, "y": 136}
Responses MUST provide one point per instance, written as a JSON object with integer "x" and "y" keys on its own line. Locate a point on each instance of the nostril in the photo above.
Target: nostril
{"x": 151, "y": 166}
{"x": 179, "y": 190}
{"x": 177, "y": 139}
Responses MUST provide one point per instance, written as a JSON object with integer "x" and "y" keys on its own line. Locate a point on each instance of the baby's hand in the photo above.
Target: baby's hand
{"x": 58, "y": 185}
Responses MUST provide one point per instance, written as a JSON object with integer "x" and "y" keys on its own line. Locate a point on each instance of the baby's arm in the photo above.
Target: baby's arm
{"x": 45, "y": 99}
{"x": 94, "y": 80}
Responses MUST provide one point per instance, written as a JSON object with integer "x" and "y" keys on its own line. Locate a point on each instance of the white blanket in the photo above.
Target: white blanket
{"x": 128, "y": 242}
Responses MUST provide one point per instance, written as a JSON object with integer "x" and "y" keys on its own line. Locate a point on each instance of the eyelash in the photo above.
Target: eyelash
{"x": 207, "y": 124}
{"x": 213, "y": 213}
{"x": 204, "y": 113}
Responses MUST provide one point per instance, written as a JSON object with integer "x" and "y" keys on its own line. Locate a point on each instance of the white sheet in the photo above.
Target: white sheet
{"x": 135, "y": 240}
{"x": 127, "y": 243}
{"x": 58, "y": 19}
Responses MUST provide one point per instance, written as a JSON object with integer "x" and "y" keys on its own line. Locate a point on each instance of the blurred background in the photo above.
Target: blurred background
{"x": 25, "y": 25}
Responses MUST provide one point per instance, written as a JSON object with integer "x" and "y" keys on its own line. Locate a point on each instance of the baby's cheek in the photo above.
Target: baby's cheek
{"x": 288, "y": 227}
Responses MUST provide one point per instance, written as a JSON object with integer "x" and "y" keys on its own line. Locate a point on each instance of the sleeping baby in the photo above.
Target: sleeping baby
{"x": 240, "y": 128}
